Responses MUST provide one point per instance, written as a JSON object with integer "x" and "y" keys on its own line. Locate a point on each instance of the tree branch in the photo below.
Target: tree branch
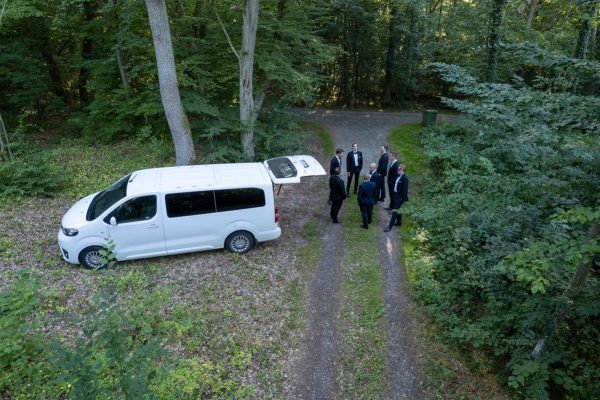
{"x": 225, "y": 32}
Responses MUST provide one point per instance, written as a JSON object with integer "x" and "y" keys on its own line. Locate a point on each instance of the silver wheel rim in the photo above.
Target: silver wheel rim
{"x": 240, "y": 243}
{"x": 92, "y": 258}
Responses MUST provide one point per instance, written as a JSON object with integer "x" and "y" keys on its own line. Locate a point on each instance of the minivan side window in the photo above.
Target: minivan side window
{"x": 138, "y": 209}
{"x": 237, "y": 199}
{"x": 192, "y": 203}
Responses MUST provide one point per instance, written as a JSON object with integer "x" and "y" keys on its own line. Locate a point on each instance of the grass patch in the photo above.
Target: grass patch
{"x": 323, "y": 136}
{"x": 363, "y": 373}
{"x": 406, "y": 140}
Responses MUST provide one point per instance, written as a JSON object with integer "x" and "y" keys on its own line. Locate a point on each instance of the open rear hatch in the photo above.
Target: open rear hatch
{"x": 291, "y": 169}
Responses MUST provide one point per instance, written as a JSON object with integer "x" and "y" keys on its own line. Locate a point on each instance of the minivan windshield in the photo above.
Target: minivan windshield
{"x": 106, "y": 198}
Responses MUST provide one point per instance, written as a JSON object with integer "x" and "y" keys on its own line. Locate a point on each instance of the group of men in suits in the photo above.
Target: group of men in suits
{"x": 372, "y": 189}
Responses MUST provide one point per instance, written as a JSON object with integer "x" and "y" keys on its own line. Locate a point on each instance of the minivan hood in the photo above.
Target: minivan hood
{"x": 75, "y": 217}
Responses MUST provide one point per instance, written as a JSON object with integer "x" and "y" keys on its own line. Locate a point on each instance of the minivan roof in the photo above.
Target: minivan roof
{"x": 197, "y": 177}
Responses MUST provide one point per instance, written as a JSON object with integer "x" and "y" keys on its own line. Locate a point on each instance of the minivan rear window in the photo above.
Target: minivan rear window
{"x": 106, "y": 198}
{"x": 237, "y": 199}
{"x": 191, "y": 203}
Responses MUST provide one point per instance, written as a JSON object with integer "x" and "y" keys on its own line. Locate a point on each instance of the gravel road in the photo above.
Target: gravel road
{"x": 317, "y": 378}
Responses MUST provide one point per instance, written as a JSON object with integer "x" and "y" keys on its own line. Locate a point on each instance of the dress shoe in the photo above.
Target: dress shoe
{"x": 365, "y": 226}
{"x": 387, "y": 208}
{"x": 387, "y": 229}
{"x": 337, "y": 221}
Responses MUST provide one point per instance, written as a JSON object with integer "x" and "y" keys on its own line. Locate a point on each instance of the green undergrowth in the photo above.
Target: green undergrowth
{"x": 362, "y": 330}
{"x": 90, "y": 167}
{"x": 323, "y": 135}
{"x": 449, "y": 372}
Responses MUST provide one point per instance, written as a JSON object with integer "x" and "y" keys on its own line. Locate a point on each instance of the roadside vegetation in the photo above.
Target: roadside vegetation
{"x": 504, "y": 235}
{"x": 450, "y": 372}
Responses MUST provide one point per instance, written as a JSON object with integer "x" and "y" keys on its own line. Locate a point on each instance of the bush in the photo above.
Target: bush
{"x": 504, "y": 218}
{"x": 34, "y": 177}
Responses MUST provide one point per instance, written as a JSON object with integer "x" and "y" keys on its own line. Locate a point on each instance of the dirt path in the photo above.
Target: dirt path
{"x": 318, "y": 371}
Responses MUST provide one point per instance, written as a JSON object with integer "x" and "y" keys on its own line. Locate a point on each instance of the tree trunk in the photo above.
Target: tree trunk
{"x": 390, "y": 58}
{"x": 532, "y": 12}
{"x": 583, "y": 42}
{"x": 167, "y": 79}
{"x": 86, "y": 54}
{"x": 586, "y": 31}
{"x": 247, "y": 111}
{"x": 577, "y": 282}
{"x": 496, "y": 16}
{"x": 118, "y": 52}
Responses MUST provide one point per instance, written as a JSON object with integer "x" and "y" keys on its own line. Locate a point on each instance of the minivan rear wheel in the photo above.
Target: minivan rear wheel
{"x": 90, "y": 258}
{"x": 240, "y": 242}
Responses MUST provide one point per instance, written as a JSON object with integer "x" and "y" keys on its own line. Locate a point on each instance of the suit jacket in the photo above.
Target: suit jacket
{"x": 334, "y": 164}
{"x": 393, "y": 172}
{"x": 400, "y": 195}
{"x": 337, "y": 189}
{"x": 374, "y": 176}
{"x": 366, "y": 193}
{"x": 382, "y": 166}
{"x": 350, "y": 161}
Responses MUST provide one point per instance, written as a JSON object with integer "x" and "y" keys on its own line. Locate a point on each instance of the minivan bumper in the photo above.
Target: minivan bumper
{"x": 68, "y": 250}
{"x": 269, "y": 235}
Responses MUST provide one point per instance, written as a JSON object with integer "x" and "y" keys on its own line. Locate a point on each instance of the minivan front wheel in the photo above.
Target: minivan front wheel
{"x": 240, "y": 242}
{"x": 90, "y": 258}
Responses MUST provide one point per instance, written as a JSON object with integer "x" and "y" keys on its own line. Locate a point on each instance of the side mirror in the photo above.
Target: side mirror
{"x": 113, "y": 221}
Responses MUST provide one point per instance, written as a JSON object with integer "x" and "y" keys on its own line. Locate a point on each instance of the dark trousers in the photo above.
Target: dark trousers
{"x": 335, "y": 209}
{"x": 354, "y": 173}
{"x": 390, "y": 191}
{"x": 367, "y": 213}
{"x": 395, "y": 220}
{"x": 380, "y": 194}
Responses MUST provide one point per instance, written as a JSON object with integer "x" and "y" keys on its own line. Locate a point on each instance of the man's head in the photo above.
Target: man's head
{"x": 337, "y": 170}
{"x": 354, "y": 147}
{"x": 367, "y": 176}
{"x": 383, "y": 148}
{"x": 393, "y": 155}
{"x": 339, "y": 152}
{"x": 372, "y": 167}
{"x": 401, "y": 169}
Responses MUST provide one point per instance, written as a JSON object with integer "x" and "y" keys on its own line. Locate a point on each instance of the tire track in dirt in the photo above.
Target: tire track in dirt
{"x": 318, "y": 372}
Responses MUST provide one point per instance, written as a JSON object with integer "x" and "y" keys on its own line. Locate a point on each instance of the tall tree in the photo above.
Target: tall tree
{"x": 390, "y": 58}
{"x": 167, "y": 79}
{"x": 246, "y": 58}
{"x": 496, "y": 16}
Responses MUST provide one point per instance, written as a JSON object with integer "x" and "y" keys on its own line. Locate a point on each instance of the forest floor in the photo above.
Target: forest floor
{"x": 288, "y": 320}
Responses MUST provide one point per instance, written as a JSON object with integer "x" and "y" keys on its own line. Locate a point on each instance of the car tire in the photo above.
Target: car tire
{"x": 90, "y": 258}
{"x": 240, "y": 242}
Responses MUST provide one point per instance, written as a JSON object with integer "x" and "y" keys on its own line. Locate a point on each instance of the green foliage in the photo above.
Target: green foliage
{"x": 34, "y": 176}
{"x": 24, "y": 371}
{"x": 108, "y": 256}
{"x": 502, "y": 225}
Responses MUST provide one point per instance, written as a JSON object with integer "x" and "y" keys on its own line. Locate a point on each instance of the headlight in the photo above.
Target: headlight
{"x": 70, "y": 231}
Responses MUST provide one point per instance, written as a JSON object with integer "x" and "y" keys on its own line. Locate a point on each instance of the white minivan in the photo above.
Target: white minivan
{"x": 163, "y": 211}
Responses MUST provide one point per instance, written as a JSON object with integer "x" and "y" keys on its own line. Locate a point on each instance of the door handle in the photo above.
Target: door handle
{"x": 153, "y": 226}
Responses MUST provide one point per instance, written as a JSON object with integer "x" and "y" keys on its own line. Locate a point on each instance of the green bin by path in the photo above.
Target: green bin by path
{"x": 429, "y": 117}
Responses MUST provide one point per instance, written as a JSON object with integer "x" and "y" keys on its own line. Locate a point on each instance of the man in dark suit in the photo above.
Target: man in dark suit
{"x": 391, "y": 176}
{"x": 382, "y": 167}
{"x": 337, "y": 194}
{"x": 366, "y": 199}
{"x": 398, "y": 196}
{"x": 375, "y": 178}
{"x": 354, "y": 163}
{"x": 336, "y": 161}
